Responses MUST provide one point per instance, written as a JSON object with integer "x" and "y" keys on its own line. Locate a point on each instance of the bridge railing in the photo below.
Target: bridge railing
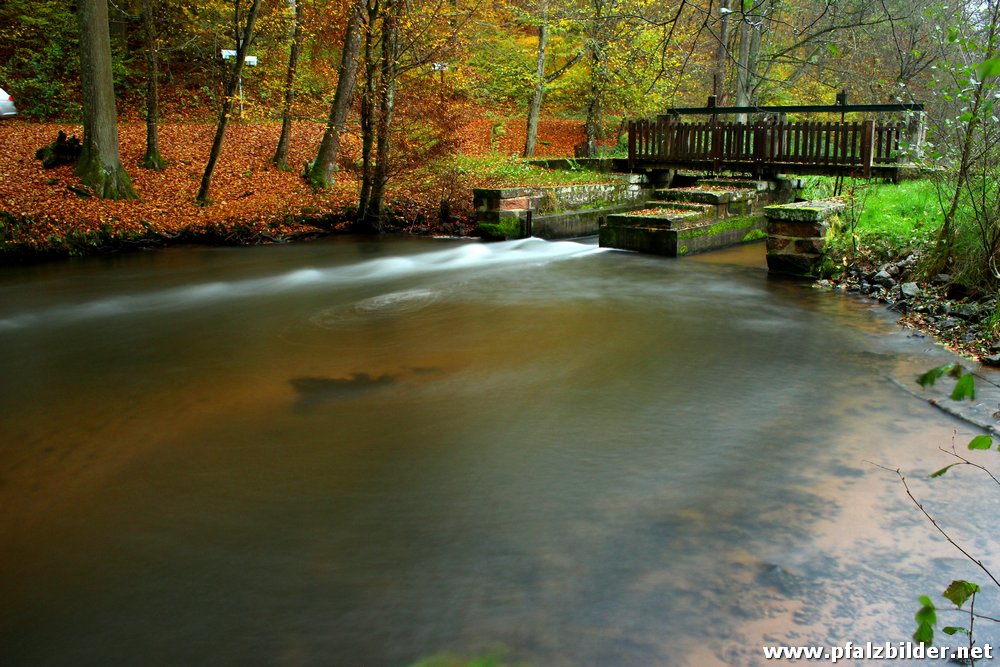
{"x": 822, "y": 146}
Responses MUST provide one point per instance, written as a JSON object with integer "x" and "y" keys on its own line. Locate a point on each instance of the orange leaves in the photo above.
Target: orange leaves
{"x": 247, "y": 190}
{"x": 250, "y": 197}
{"x": 556, "y": 138}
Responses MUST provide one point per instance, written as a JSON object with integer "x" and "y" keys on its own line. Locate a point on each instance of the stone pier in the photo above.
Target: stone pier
{"x": 796, "y": 235}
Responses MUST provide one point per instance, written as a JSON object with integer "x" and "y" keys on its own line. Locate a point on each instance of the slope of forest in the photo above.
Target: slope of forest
{"x": 252, "y": 200}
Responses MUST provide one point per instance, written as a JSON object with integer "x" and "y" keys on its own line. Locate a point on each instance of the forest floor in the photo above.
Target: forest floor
{"x": 42, "y": 212}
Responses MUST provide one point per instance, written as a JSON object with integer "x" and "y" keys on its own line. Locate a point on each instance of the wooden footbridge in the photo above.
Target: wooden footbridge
{"x": 865, "y": 149}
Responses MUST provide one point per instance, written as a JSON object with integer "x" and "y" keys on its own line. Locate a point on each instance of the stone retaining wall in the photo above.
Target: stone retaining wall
{"x": 553, "y": 212}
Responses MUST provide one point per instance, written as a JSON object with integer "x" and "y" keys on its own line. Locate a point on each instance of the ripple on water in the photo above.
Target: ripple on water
{"x": 383, "y": 305}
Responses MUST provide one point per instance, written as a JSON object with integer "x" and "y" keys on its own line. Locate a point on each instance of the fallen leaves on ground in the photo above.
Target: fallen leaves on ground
{"x": 250, "y": 197}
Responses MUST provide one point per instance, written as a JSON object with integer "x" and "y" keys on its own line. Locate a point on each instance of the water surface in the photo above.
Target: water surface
{"x": 364, "y": 453}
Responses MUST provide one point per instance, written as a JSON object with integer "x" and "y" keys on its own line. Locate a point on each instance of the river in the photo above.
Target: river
{"x": 368, "y": 452}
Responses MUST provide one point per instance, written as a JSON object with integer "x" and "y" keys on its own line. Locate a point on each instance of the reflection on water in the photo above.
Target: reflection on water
{"x": 363, "y": 453}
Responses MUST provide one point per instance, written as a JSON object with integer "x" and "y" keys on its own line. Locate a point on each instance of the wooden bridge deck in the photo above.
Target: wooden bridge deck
{"x": 862, "y": 149}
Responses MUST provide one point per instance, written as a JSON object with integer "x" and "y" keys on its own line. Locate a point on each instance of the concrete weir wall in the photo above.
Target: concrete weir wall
{"x": 706, "y": 214}
{"x": 554, "y": 212}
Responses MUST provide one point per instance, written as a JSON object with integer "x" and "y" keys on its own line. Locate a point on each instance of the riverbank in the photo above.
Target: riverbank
{"x": 43, "y": 212}
{"x": 962, "y": 320}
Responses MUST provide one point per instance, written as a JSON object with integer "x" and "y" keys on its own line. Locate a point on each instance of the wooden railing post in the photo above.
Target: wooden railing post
{"x": 867, "y": 140}
{"x": 759, "y": 145}
{"x": 631, "y": 145}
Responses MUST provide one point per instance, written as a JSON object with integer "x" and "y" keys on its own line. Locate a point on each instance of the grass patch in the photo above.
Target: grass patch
{"x": 885, "y": 220}
{"x": 502, "y": 171}
{"x": 448, "y": 660}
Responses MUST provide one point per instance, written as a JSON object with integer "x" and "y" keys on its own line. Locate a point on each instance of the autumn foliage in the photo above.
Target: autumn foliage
{"x": 251, "y": 200}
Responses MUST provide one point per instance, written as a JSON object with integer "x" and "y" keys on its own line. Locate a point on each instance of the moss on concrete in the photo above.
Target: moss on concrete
{"x": 720, "y": 227}
{"x": 506, "y": 228}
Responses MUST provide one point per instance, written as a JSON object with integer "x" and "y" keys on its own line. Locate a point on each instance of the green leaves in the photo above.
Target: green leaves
{"x": 959, "y": 592}
{"x": 926, "y": 618}
{"x": 933, "y": 375}
{"x": 964, "y": 388}
{"x": 981, "y": 442}
{"x": 990, "y": 67}
{"x": 943, "y": 470}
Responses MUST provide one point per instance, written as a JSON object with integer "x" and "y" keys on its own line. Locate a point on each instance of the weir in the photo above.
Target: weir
{"x": 696, "y": 187}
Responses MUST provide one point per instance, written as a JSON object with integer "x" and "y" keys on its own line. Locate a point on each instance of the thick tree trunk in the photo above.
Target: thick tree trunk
{"x": 280, "y": 158}
{"x": 320, "y": 171}
{"x": 152, "y": 159}
{"x": 99, "y": 166}
{"x": 535, "y": 107}
{"x": 242, "y": 46}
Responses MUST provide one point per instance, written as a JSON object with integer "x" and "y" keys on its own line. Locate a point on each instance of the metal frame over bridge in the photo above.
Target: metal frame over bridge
{"x": 772, "y": 145}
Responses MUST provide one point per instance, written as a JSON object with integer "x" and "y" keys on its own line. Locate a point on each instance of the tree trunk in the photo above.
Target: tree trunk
{"x": 99, "y": 166}
{"x": 242, "y": 46}
{"x": 152, "y": 159}
{"x": 722, "y": 56}
{"x": 368, "y": 115}
{"x": 597, "y": 44}
{"x": 592, "y": 126}
{"x": 280, "y": 159}
{"x": 374, "y": 218}
{"x": 743, "y": 68}
{"x": 753, "y": 59}
{"x": 320, "y": 171}
{"x": 535, "y": 107}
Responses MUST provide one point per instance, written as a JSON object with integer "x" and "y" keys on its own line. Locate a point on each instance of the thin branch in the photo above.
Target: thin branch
{"x": 967, "y": 462}
{"x": 934, "y": 523}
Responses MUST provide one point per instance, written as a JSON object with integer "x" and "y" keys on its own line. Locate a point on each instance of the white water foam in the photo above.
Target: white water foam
{"x": 466, "y": 256}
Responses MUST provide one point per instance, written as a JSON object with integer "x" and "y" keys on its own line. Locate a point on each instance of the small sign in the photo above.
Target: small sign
{"x": 229, "y": 54}
{"x": 440, "y": 67}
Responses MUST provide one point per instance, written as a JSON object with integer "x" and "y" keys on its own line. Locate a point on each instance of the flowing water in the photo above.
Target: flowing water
{"x": 366, "y": 453}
